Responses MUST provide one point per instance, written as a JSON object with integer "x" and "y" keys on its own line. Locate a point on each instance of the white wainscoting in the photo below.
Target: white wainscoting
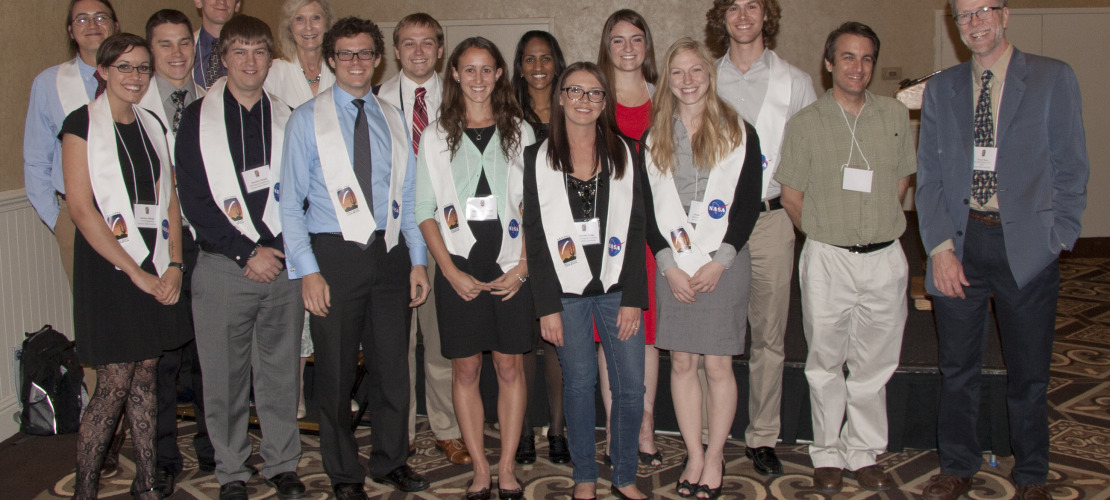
{"x": 33, "y": 291}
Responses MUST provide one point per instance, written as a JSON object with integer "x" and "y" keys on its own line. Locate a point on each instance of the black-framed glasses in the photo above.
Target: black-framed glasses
{"x": 984, "y": 14}
{"x": 86, "y": 20}
{"x": 365, "y": 54}
{"x": 576, "y": 93}
{"x": 143, "y": 69}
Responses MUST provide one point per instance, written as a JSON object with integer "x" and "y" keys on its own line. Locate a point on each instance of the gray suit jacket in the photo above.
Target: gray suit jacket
{"x": 1042, "y": 162}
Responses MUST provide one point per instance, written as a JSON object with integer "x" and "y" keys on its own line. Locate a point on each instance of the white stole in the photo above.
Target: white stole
{"x": 562, "y": 236}
{"x": 772, "y": 117}
{"x": 110, "y": 191}
{"x": 71, "y": 87}
{"x": 692, "y": 245}
{"x": 220, "y": 168}
{"x": 356, "y": 217}
{"x": 450, "y": 212}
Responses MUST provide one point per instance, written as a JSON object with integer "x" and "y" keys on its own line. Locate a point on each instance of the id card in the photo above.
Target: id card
{"x": 146, "y": 216}
{"x": 589, "y": 231}
{"x": 857, "y": 179}
{"x": 257, "y": 179}
{"x": 694, "y": 214}
{"x": 481, "y": 208}
{"x": 985, "y": 158}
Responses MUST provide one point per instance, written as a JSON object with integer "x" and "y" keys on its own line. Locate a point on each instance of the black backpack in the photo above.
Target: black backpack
{"x": 52, "y": 388}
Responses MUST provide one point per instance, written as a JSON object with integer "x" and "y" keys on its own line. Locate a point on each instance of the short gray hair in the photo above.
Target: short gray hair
{"x": 952, "y": 5}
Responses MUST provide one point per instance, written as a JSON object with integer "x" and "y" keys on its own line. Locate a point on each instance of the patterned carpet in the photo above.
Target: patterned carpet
{"x": 1079, "y": 397}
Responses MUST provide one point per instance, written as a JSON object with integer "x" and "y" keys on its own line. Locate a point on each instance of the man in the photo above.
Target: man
{"x": 846, "y": 162}
{"x": 170, "y": 34}
{"x": 1001, "y": 191}
{"x": 55, "y": 93}
{"x": 417, "y": 91}
{"x": 359, "y": 253}
{"x": 766, "y": 91}
{"x": 247, "y": 312}
{"x": 214, "y": 14}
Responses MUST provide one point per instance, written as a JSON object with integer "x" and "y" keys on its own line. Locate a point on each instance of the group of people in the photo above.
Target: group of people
{"x": 485, "y": 200}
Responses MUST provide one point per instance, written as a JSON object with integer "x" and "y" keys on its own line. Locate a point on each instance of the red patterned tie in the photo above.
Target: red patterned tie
{"x": 101, "y": 84}
{"x": 419, "y": 118}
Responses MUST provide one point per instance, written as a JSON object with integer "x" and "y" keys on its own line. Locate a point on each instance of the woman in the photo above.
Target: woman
{"x": 704, "y": 169}
{"x": 584, "y": 230}
{"x": 127, "y": 257}
{"x": 295, "y": 79}
{"x": 538, "y": 63}
{"x": 301, "y": 73}
{"x": 627, "y": 57}
{"x": 468, "y": 204}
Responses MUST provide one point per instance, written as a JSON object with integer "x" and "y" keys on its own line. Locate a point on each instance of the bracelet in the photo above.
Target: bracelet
{"x": 522, "y": 278}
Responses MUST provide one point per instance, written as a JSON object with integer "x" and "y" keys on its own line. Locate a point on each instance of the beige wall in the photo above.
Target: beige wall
{"x": 904, "y": 26}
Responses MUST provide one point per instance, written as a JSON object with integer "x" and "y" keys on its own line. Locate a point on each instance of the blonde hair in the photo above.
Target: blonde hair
{"x": 286, "y": 45}
{"x": 720, "y": 130}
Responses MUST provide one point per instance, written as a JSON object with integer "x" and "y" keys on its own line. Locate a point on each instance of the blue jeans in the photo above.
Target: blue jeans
{"x": 626, "y": 380}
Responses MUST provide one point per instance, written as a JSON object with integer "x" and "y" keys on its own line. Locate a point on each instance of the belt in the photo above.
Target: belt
{"x": 985, "y": 218}
{"x": 868, "y": 248}
{"x": 771, "y": 204}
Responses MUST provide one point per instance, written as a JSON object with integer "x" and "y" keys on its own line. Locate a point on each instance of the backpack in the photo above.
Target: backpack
{"x": 52, "y": 387}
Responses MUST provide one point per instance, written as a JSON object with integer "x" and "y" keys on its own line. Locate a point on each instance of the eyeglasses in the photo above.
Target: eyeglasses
{"x": 984, "y": 14}
{"x": 85, "y": 20}
{"x": 143, "y": 69}
{"x": 576, "y": 93}
{"x": 365, "y": 54}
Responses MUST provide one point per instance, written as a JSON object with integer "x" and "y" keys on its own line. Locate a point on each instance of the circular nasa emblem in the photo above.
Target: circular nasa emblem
{"x": 717, "y": 209}
{"x": 165, "y": 229}
{"x": 277, "y": 191}
{"x": 615, "y": 246}
{"x": 396, "y": 209}
{"x": 514, "y": 228}
{"x": 764, "y": 162}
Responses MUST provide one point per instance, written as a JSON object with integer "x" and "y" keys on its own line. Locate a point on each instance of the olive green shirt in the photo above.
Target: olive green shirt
{"x": 815, "y": 147}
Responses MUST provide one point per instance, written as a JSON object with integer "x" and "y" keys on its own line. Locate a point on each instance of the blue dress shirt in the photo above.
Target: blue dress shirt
{"x": 42, "y": 149}
{"x": 302, "y": 178}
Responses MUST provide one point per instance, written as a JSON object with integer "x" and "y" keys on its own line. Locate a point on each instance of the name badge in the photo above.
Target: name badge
{"x": 695, "y": 211}
{"x": 257, "y": 179}
{"x": 857, "y": 179}
{"x": 146, "y": 216}
{"x": 589, "y": 231}
{"x": 985, "y": 158}
{"x": 481, "y": 208}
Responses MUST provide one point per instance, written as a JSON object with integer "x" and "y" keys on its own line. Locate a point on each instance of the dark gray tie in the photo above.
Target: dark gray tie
{"x": 178, "y": 100}
{"x": 362, "y": 163}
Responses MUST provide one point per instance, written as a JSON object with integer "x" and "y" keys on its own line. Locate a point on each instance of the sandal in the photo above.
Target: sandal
{"x": 686, "y": 489}
{"x": 709, "y": 492}
{"x": 651, "y": 459}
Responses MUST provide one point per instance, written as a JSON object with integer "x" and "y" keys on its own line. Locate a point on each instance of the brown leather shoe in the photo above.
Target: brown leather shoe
{"x": 1033, "y": 492}
{"x": 872, "y": 477}
{"x": 827, "y": 479}
{"x": 946, "y": 487}
{"x": 455, "y": 449}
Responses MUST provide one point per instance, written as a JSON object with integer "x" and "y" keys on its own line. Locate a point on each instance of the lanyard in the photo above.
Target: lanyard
{"x": 242, "y": 134}
{"x": 854, "y": 143}
{"x": 149, "y": 161}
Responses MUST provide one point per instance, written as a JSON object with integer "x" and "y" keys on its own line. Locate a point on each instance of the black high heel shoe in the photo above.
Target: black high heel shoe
{"x": 711, "y": 493}
{"x": 513, "y": 494}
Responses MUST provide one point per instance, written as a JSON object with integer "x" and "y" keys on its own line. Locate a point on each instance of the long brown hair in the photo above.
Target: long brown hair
{"x": 634, "y": 18}
{"x": 720, "y": 131}
{"x": 506, "y": 112}
{"x": 607, "y": 133}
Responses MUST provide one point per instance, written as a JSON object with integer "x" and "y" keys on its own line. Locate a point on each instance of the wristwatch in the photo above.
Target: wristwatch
{"x": 179, "y": 265}
{"x": 254, "y": 252}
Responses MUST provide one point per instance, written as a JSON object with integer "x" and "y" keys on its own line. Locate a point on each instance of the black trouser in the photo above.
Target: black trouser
{"x": 369, "y": 306}
{"x": 168, "y": 367}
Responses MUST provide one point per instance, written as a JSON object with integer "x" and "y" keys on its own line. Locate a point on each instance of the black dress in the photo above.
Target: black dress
{"x": 115, "y": 321}
{"x": 486, "y": 323}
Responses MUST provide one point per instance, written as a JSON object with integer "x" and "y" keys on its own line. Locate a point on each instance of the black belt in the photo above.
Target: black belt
{"x": 868, "y": 248}
{"x": 380, "y": 233}
{"x": 771, "y": 204}
{"x": 985, "y": 218}
{"x": 210, "y": 248}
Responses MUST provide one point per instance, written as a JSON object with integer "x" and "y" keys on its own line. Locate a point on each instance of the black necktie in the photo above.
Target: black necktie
{"x": 362, "y": 164}
{"x": 178, "y": 100}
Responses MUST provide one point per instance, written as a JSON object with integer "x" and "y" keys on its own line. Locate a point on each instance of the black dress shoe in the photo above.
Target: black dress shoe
{"x": 349, "y": 491}
{"x": 287, "y": 484}
{"x": 513, "y": 494}
{"x": 619, "y": 494}
{"x": 164, "y": 481}
{"x": 526, "y": 452}
{"x": 764, "y": 460}
{"x": 403, "y": 478}
{"x": 558, "y": 450}
{"x": 235, "y": 490}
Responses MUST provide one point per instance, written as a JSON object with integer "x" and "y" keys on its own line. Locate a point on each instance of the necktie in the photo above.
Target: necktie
{"x": 419, "y": 118}
{"x": 362, "y": 164}
{"x": 212, "y": 68}
{"x": 101, "y": 84}
{"x": 984, "y": 184}
{"x": 178, "y": 100}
